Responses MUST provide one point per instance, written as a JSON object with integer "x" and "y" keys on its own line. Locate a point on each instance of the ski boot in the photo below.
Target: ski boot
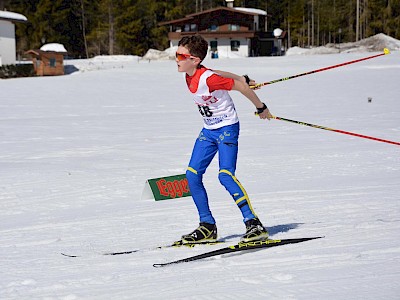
{"x": 205, "y": 233}
{"x": 254, "y": 231}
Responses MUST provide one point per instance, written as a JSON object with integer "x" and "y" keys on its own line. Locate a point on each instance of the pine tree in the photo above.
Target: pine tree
{"x": 131, "y": 26}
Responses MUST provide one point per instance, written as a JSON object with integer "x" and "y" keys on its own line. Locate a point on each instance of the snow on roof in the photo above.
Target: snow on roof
{"x": 252, "y": 10}
{"x": 12, "y": 16}
{"x": 54, "y": 47}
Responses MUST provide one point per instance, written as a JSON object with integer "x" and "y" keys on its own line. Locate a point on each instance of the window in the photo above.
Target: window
{"x": 234, "y": 27}
{"x": 235, "y": 45}
{"x": 52, "y": 62}
{"x": 213, "y": 28}
{"x": 214, "y": 45}
{"x": 190, "y": 27}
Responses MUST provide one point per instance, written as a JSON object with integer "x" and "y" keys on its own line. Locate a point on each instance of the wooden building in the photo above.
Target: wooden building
{"x": 243, "y": 31}
{"x": 48, "y": 61}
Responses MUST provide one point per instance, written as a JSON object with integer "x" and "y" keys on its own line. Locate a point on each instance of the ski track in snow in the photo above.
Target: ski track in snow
{"x": 75, "y": 152}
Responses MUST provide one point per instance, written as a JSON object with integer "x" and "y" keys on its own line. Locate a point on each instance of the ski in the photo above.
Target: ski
{"x": 176, "y": 244}
{"x": 242, "y": 246}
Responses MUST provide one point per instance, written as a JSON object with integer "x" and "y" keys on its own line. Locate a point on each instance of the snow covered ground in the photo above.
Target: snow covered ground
{"x": 75, "y": 152}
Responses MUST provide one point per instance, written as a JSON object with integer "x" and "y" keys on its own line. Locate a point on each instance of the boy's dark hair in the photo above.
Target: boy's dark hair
{"x": 196, "y": 45}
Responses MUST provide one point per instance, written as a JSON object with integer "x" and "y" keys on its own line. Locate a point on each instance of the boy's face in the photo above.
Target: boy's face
{"x": 186, "y": 63}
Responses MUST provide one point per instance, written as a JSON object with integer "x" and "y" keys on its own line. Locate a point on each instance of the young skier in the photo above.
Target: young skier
{"x": 219, "y": 134}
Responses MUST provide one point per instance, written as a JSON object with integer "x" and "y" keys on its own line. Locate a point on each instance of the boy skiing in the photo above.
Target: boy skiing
{"x": 219, "y": 134}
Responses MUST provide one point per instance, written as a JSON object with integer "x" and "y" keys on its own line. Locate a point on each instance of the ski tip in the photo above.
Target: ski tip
{"x": 386, "y": 51}
{"x": 121, "y": 253}
{"x": 68, "y": 255}
{"x": 315, "y": 237}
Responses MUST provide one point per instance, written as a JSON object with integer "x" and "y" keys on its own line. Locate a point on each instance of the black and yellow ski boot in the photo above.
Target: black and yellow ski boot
{"x": 205, "y": 233}
{"x": 255, "y": 231}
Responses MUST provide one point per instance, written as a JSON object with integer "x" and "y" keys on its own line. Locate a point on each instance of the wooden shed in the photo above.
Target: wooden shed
{"x": 48, "y": 62}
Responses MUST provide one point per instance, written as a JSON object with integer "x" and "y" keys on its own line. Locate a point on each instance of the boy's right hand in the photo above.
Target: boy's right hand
{"x": 264, "y": 113}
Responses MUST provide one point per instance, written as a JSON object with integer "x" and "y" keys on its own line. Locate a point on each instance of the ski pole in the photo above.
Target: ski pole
{"x": 385, "y": 52}
{"x": 337, "y": 130}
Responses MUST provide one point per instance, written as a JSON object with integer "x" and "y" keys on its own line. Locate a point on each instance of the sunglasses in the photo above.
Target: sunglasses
{"x": 183, "y": 56}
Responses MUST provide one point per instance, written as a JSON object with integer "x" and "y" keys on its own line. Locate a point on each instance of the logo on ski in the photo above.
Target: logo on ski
{"x": 239, "y": 247}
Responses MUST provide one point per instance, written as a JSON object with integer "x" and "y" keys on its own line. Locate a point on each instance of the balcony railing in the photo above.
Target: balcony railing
{"x": 212, "y": 34}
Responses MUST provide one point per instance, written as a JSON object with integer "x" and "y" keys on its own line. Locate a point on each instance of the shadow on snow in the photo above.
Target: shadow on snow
{"x": 271, "y": 230}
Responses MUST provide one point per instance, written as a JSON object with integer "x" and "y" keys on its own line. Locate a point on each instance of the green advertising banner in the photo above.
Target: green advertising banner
{"x": 170, "y": 187}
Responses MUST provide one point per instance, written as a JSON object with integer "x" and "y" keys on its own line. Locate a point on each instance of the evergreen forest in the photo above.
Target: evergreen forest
{"x": 97, "y": 27}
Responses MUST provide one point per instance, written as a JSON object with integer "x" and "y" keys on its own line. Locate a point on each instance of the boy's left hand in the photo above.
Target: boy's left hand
{"x": 250, "y": 82}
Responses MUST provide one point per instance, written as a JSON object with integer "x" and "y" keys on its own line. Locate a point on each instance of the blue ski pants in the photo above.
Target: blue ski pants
{"x": 223, "y": 140}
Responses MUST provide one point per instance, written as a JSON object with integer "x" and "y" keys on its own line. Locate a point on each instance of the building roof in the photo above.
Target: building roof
{"x": 244, "y": 10}
{"x": 12, "y": 16}
{"x": 253, "y": 11}
{"x": 240, "y": 10}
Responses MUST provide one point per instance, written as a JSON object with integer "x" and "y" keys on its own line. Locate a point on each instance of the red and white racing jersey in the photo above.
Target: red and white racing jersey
{"x": 211, "y": 95}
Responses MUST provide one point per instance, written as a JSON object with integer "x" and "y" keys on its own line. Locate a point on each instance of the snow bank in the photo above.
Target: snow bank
{"x": 115, "y": 58}
{"x": 101, "y": 62}
{"x": 312, "y": 51}
{"x": 153, "y": 54}
{"x": 372, "y": 44}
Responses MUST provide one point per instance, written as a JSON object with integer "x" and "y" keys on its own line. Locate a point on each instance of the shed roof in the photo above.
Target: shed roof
{"x": 37, "y": 52}
{"x": 54, "y": 47}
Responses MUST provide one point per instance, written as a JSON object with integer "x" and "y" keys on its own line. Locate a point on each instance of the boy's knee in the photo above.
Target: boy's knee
{"x": 225, "y": 177}
{"x": 192, "y": 176}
